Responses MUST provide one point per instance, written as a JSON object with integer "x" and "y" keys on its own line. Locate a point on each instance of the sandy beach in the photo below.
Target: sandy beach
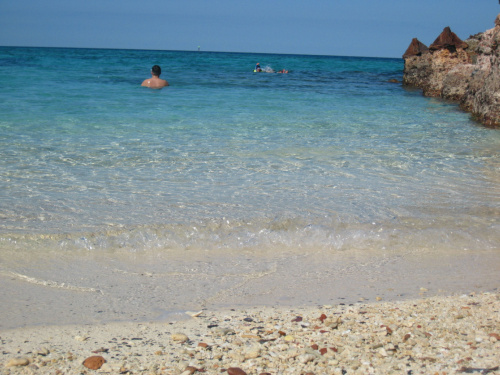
{"x": 430, "y": 335}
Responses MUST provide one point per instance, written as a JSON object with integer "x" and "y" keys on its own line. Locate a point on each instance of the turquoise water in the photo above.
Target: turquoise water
{"x": 331, "y": 155}
{"x": 232, "y": 188}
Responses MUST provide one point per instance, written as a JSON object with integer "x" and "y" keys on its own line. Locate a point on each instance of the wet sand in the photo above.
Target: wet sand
{"x": 99, "y": 288}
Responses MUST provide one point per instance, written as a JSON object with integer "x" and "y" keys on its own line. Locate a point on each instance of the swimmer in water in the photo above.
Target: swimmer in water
{"x": 257, "y": 68}
{"x": 155, "y": 82}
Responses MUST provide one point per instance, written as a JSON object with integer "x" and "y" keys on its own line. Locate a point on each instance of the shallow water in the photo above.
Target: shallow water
{"x": 328, "y": 166}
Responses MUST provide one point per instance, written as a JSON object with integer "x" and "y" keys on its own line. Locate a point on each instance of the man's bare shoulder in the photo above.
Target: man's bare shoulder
{"x": 154, "y": 83}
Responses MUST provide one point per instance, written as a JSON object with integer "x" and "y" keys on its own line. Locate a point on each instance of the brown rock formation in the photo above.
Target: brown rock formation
{"x": 416, "y": 48}
{"x": 448, "y": 40}
{"x": 428, "y": 71}
{"x": 466, "y": 72}
{"x": 482, "y": 97}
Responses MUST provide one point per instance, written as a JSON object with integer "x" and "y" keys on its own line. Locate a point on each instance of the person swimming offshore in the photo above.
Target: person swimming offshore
{"x": 267, "y": 69}
{"x": 155, "y": 82}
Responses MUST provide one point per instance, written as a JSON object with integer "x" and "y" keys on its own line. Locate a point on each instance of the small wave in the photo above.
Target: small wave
{"x": 317, "y": 232}
{"x": 53, "y": 284}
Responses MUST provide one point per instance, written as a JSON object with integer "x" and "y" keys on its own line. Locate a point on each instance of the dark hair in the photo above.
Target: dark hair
{"x": 156, "y": 70}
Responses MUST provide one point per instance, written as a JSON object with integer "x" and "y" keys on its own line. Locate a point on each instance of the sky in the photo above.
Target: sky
{"x": 371, "y": 28}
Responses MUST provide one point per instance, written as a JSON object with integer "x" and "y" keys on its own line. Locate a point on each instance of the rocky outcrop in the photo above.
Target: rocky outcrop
{"x": 429, "y": 69}
{"x": 416, "y": 48}
{"x": 467, "y": 72}
{"x": 448, "y": 40}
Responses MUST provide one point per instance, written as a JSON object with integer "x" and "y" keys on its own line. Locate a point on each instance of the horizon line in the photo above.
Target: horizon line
{"x": 199, "y": 51}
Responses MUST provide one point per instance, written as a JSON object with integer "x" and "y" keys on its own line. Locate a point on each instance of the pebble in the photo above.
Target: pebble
{"x": 382, "y": 352}
{"x": 223, "y": 331}
{"x": 494, "y": 337}
{"x": 14, "y": 362}
{"x": 406, "y": 337}
{"x": 235, "y": 371}
{"x": 306, "y": 358}
{"x": 254, "y": 352}
{"x": 94, "y": 363}
{"x": 194, "y": 314}
{"x": 180, "y": 337}
{"x": 189, "y": 370}
{"x": 43, "y": 352}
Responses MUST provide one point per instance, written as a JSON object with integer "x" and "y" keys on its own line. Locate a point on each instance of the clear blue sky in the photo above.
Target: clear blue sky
{"x": 380, "y": 28}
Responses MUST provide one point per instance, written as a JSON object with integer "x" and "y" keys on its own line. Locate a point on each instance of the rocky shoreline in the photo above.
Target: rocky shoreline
{"x": 466, "y": 72}
{"x": 434, "y": 335}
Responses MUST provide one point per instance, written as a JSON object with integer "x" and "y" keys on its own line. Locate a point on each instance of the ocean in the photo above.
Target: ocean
{"x": 231, "y": 187}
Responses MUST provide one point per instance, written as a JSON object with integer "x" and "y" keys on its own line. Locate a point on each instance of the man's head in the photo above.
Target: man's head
{"x": 156, "y": 70}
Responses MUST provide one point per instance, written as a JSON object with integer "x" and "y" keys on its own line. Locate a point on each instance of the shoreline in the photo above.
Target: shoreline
{"x": 459, "y": 333}
{"x": 106, "y": 289}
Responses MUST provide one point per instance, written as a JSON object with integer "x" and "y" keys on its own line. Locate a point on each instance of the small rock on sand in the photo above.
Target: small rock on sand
{"x": 179, "y": 337}
{"x": 18, "y": 362}
{"x": 235, "y": 371}
{"x": 94, "y": 363}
